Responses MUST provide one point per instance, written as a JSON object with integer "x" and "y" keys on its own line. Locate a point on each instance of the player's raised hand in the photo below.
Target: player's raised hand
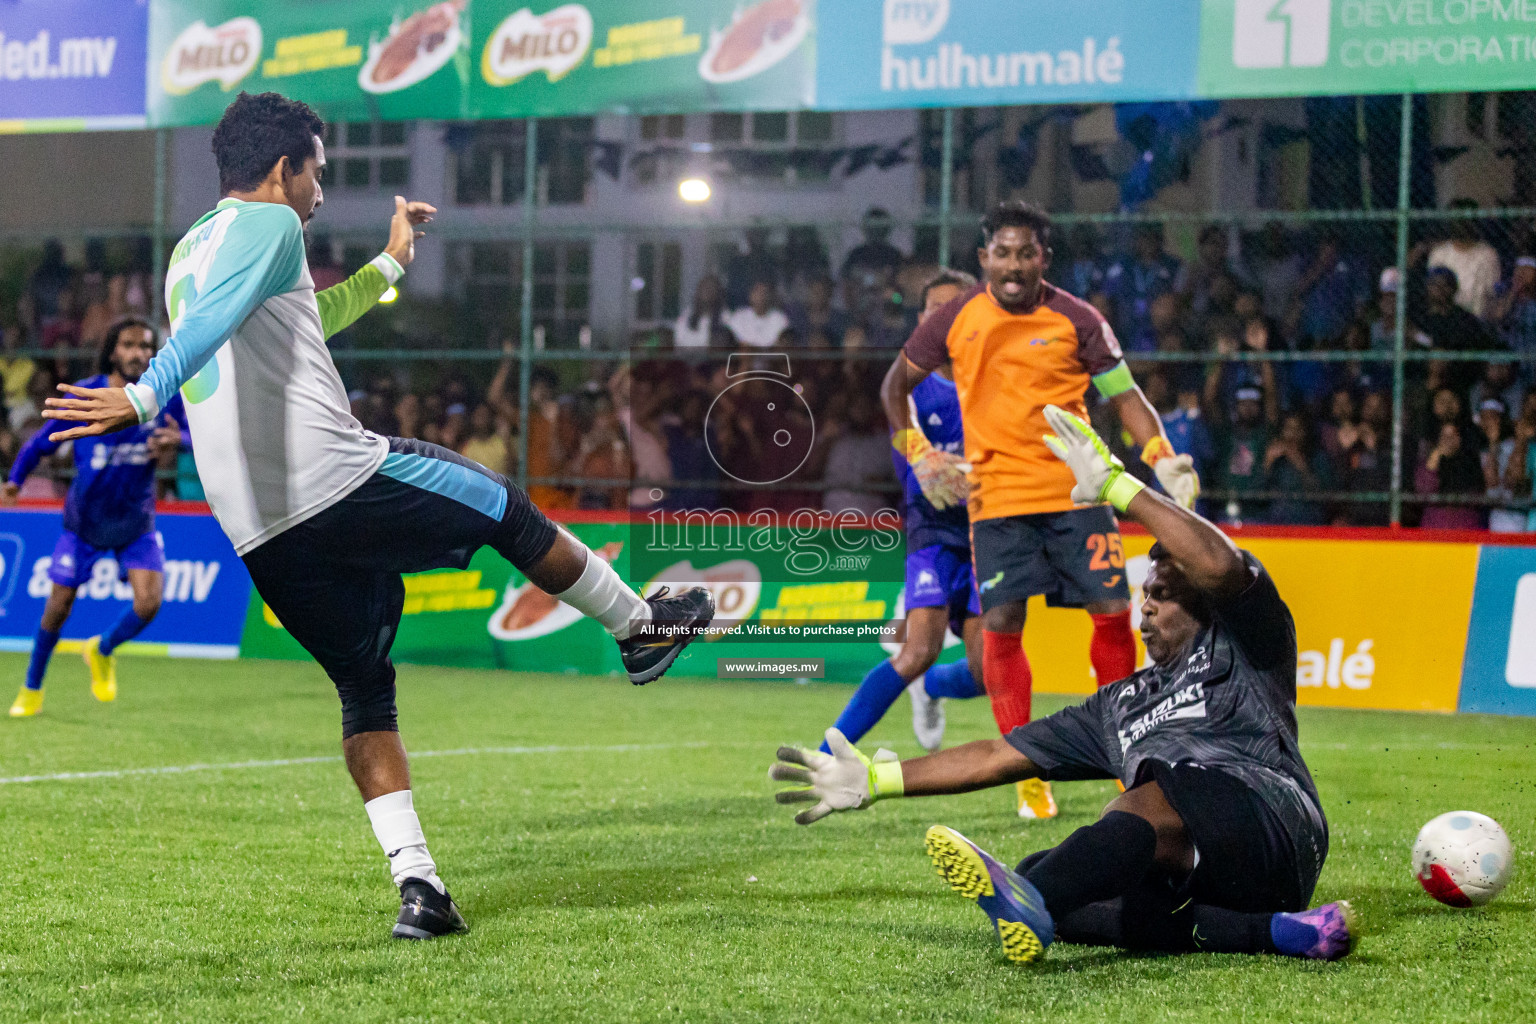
{"x": 102, "y": 410}
{"x": 1177, "y": 475}
{"x": 402, "y": 229}
{"x": 844, "y": 780}
{"x": 940, "y": 475}
{"x": 1101, "y": 476}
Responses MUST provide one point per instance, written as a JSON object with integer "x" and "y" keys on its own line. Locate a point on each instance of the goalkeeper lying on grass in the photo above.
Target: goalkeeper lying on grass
{"x": 1218, "y": 841}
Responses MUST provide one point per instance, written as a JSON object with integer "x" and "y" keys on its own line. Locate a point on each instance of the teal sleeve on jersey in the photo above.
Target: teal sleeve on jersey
{"x": 261, "y": 254}
{"x": 343, "y": 304}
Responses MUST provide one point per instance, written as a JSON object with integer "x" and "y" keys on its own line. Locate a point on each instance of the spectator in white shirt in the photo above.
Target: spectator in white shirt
{"x": 759, "y": 323}
{"x": 1475, "y": 262}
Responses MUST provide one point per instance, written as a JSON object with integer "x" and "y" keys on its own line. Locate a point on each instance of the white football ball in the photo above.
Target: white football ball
{"x": 1462, "y": 858}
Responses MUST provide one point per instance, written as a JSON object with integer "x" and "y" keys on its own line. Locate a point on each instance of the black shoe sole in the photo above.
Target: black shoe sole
{"x": 405, "y": 931}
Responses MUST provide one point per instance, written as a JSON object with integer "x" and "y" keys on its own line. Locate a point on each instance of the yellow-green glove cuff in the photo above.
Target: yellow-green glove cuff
{"x": 885, "y": 780}
{"x": 1122, "y": 487}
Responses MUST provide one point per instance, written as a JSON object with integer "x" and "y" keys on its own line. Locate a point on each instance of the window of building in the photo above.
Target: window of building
{"x": 367, "y": 155}
{"x": 654, "y": 127}
{"x": 659, "y": 281}
{"x": 491, "y": 276}
{"x": 488, "y": 159}
{"x": 788, "y": 143}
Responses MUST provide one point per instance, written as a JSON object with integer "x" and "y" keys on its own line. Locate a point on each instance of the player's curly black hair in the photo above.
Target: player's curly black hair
{"x": 1016, "y": 213}
{"x": 255, "y": 132}
{"x": 115, "y": 331}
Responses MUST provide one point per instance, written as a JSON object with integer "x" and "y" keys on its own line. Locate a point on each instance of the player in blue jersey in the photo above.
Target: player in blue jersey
{"x": 941, "y": 589}
{"x": 110, "y": 511}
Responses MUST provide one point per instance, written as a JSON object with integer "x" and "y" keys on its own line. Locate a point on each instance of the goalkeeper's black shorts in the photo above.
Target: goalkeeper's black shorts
{"x": 333, "y": 580}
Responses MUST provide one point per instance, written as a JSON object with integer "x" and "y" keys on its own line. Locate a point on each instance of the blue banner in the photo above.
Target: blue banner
{"x": 207, "y": 589}
{"x": 1499, "y": 674}
{"x": 939, "y": 53}
{"x": 79, "y": 61}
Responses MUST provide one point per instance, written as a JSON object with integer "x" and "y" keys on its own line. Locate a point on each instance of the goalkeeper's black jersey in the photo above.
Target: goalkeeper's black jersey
{"x": 1229, "y": 703}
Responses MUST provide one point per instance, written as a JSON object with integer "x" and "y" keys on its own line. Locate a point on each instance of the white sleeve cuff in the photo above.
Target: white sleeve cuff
{"x": 388, "y": 266}
{"x": 144, "y": 402}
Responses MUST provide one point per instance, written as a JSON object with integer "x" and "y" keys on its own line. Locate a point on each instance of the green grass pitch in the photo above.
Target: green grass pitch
{"x": 619, "y": 858}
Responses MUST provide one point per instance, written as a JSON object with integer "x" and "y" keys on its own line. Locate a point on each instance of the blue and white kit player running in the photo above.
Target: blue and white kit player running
{"x": 940, "y": 585}
{"x": 109, "y": 512}
{"x": 326, "y": 515}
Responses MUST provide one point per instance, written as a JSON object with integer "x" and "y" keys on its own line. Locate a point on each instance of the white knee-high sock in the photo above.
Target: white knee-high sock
{"x": 394, "y": 820}
{"x": 601, "y": 595}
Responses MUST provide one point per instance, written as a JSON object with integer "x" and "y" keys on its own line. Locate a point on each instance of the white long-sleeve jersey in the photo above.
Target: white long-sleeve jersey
{"x": 272, "y": 429}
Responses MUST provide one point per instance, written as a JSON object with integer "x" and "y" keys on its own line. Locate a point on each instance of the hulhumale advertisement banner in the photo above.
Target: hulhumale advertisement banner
{"x": 72, "y": 64}
{"x": 914, "y": 53}
{"x": 479, "y": 58}
{"x": 1321, "y": 47}
{"x": 205, "y": 597}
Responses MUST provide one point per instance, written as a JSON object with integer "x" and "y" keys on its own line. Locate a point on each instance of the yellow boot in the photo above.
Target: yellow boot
{"x": 1035, "y": 799}
{"x": 103, "y": 669}
{"x": 28, "y": 703}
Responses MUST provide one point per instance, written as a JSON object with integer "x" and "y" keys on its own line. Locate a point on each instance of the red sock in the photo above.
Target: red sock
{"x": 1006, "y": 675}
{"x": 1113, "y": 650}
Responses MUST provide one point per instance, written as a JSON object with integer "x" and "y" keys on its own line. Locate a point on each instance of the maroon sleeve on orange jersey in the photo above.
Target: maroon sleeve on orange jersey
{"x": 928, "y": 348}
{"x": 1097, "y": 347}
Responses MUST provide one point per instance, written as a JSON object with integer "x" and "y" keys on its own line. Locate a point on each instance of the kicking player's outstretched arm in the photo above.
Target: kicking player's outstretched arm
{"x": 342, "y": 305}
{"x": 1209, "y": 560}
{"x": 258, "y": 254}
{"x": 846, "y": 780}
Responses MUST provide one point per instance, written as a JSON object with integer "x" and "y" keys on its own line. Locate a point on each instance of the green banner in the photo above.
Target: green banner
{"x": 638, "y": 56}
{"x": 1325, "y": 47}
{"x": 366, "y": 59}
{"x": 489, "y": 616}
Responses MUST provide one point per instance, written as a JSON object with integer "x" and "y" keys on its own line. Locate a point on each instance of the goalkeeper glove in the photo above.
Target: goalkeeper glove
{"x": 1101, "y": 476}
{"x": 1174, "y": 471}
{"x": 844, "y": 780}
{"x": 939, "y": 474}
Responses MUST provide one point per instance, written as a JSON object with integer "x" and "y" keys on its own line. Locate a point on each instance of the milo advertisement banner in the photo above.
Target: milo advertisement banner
{"x": 638, "y": 56}
{"x": 1320, "y": 47}
{"x": 397, "y": 59}
{"x": 351, "y": 59}
{"x": 490, "y": 616}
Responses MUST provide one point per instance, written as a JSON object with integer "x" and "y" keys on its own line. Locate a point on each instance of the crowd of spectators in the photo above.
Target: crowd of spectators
{"x": 1299, "y": 440}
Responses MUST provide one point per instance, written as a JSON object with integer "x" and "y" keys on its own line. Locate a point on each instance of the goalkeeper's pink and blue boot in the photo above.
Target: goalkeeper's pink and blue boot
{"x": 1328, "y": 932}
{"x": 1015, "y": 907}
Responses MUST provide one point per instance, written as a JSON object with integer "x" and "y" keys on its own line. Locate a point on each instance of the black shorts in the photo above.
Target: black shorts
{"x": 1074, "y": 558}
{"x": 1249, "y": 858}
{"x": 333, "y": 580}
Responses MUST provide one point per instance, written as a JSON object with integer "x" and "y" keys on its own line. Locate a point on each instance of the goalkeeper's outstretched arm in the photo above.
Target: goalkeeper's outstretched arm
{"x": 966, "y": 768}
{"x": 846, "y": 780}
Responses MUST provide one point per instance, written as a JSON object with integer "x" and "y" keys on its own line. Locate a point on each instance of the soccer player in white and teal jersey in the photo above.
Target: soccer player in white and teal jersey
{"x": 326, "y": 515}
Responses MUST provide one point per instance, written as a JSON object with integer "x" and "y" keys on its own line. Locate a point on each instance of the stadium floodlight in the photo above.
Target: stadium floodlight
{"x": 693, "y": 190}
{"x": 390, "y": 294}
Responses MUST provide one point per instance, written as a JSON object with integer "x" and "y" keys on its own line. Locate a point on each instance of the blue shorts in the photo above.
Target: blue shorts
{"x": 73, "y": 558}
{"x": 940, "y": 576}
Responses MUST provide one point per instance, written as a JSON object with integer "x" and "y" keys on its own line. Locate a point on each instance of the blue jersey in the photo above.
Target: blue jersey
{"x": 111, "y": 503}
{"x": 937, "y": 410}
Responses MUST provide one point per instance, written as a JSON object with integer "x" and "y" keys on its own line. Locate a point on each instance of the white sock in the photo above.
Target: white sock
{"x": 601, "y": 595}
{"x": 394, "y": 820}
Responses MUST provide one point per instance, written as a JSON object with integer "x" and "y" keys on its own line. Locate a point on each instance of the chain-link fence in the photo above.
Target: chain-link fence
{"x": 1335, "y": 317}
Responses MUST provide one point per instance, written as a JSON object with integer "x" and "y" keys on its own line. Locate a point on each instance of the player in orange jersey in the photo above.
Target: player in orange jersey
{"x": 1017, "y": 345}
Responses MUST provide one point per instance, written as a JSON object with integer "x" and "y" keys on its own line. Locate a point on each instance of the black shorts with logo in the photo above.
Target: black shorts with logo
{"x": 333, "y": 580}
{"x": 1074, "y": 558}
